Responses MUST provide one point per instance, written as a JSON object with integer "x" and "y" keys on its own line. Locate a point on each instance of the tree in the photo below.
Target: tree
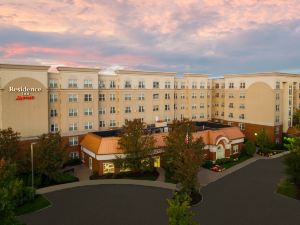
{"x": 184, "y": 155}
{"x": 49, "y": 155}
{"x": 250, "y": 148}
{"x": 10, "y": 188}
{"x": 178, "y": 211}
{"x": 296, "y": 119}
{"x": 9, "y": 143}
{"x": 137, "y": 146}
{"x": 263, "y": 141}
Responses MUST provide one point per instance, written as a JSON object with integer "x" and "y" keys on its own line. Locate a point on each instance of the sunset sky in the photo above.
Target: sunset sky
{"x": 199, "y": 36}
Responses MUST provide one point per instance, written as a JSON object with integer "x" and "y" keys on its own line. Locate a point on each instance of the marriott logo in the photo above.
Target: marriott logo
{"x": 24, "y": 89}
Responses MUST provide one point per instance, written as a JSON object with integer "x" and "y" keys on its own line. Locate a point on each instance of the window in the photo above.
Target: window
{"x": 277, "y": 86}
{"x": 127, "y": 97}
{"x": 141, "y": 84}
{"x": 112, "y": 110}
{"x": 155, "y": 108}
{"x": 290, "y": 90}
{"x": 202, "y": 95}
{"x": 112, "y": 84}
{"x": 242, "y": 116}
{"x": 141, "y": 108}
{"x": 242, "y": 85}
{"x": 242, "y": 106}
{"x": 155, "y": 84}
{"x": 277, "y": 118}
{"x": 141, "y": 96}
{"x": 182, "y": 106}
{"x": 194, "y": 95}
{"x": 182, "y": 85}
{"x": 73, "y": 112}
{"x": 53, "y": 127}
{"x": 101, "y": 111}
{"x": 101, "y": 97}
{"x": 182, "y": 96}
{"x": 194, "y": 117}
{"x": 101, "y": 123}
{"x": 127, "y": 109}
{"x": 223, "y": 85}
{"x": 167, "y": 107}
{"x": 175, "y": 106}
{"x": 73, "y": 97}
{"x": 53, "y": 98}
{"x": 73, "y": 155}
{"x": 127, "y": 84}
{"x": 277, "y": 108}
{"x": 216, "y": 113}
{"x": 167, "y": 119}
{"x": 242, "y": 95}
{"x": 217, "y": 95}
{"x": 52, "y": 83}
{"x": 217, "y": 85}
{"x": 278, "y": 96}
{"x": 88, "y": 125}
{"x": 231, "y": 85}
{"x": 87, "y": 84}
{"x": 167, "y": 96}
{"x": 112, "y": 97}
{"x": 88, "y": 111}
{"x": 175, "y": 95}
{"x": 222, "y": 113}
{"x": 277, "y": 129}
{"x": 201, "y": 105}
{"x": 53, "y": 113}
{"x": 230, "y": 115}
{"x": 72, "y": 83}
{"x": 112, "y": 123}
{"x": 155, "y": 96}
{"x": 176, "y": 85}
{"x": 230, "y": 95}
{"x": 88, "y": 97}
{"x": 73, "y": 127}
{"x": 202, "y": 116}
{"x": 202, "y": 85}
{"x": 194, "y": 85}
{"x": 235, "y": 149}
{"x": 101, "y": 84}
{"x": 242, "y": 126}
{"x": 167, "y": 84}
{"x": 108, "y": 168}
{"x": 73, "y": 141}
{"x": 194, "y": 106}
{"x": 230, "y": 105}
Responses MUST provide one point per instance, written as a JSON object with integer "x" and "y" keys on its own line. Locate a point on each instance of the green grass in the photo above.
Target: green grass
{"x": 39, "y": 202}
{"x": 241, "y": 158}
{"x": 168, "y": 177}
{"x": 285, "y": 187}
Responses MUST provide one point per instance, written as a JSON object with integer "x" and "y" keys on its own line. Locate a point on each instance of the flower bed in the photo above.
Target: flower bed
{"x": 269, "y": 153}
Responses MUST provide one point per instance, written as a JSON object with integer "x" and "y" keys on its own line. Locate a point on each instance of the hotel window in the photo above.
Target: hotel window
{"x": 182, "y": 96}
{"x": 277, "y": 130}
{"x": 52, "y": 83}
{"x": 277, "y": 118}
{"x": 87, "y": 84}
{"x": 217, "y": 95}
{"x": 289, "y": 122}
{"x": 73, "y": 141}
{"x": 112, "y": 84}
{"x": 155, "y": 84}
{"x": 53, "y": 127}
{"x": 222, "y": 95}
{"x": 208, "y": 85}
{"x": 127, "y": 84}
{"x": 194, "y": 117}
{"x": 167, "y": 84}
{"x": 73, "y": 127}
{"x": 242, "y": 126}
{"x": 167, "y": 96}
{"x": 235, "y": 149}
{"x": 101, "y": 84}
{"x": 175, "y": 106}
{"x": 277, "y": 108}
{"x": 141, "y": 96}
{"x": 223, "y": 85}
{"x": 101, "y": 123}
{"x": 73, "y": 112}
{"x": 230, "y": 95}
{"x": 155, "y": 108}
{"x": 230, "y": 115}
{"x": 222, "y": 113}
{"x": 167, "y": 107}
{"x": 127, "y": 97}
{"x": 194, "y": 95}
{"x": 208, "y": 95}
{"x": 201, "y": 115}
{"x": 242, "y": 95}
{"x": 278, "y": 96}
{"x": 112, "y": 123}
{"x": 242, "y": 106}
{"x": 217, "y": 85}
{"x": 194, "y": 85}
{"x": 231, "y": 85}
{"x": 112, "y": 110}
{"x": 141, "y": 84}
{"x": 229, "y": 123}
{"x": 222, "y": 104}
{"x": 72, "y": 83}
{"x": 202, "y": 85}
{"x": 201, "y": 105}
{"x": 73, "y": 97}
{"x": 108, "y": 168}
{"x": 53, "y": 113}
{"x": 101, "y": 111}
{"x": 216, "y": 113}
{"x": 127, "y": 109}
{"x": 182, "y": 85}
{"x": 242, "y": 116}
{"x": 88, "y": 111}
{"x": 101, "y": 97}
{"x": 175, "y": 95}
{"x": 53, "y": 97}
{"x": 242, "y": 85}
{"x": 182, "y": 106}
{"x": 88, "y": 125}
{"x": 73, "y": 155}
{"x": 88, "y": 97}
{"x": 167, "y": 119}
{"x": 290, "y": 90}
{"x": 141, "y": 109}
{"x": 202, "y": 95}
{"x": 277, "y": 86}
{"x": 112, "y": 97}
{"x": 194, "y": 106}
{"x": 155, "y": 96}
{"x": 230, "y": 105}
{"x": 176, "y": 85}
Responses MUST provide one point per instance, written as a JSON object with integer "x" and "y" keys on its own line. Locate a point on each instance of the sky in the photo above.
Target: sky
{"x": 214, "y": 37}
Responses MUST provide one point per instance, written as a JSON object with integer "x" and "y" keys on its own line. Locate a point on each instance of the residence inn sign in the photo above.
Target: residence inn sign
{"x": 24, "y": 92}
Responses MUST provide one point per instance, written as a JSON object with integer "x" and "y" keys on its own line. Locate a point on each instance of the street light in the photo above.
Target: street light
{"x": 32, "y": 173}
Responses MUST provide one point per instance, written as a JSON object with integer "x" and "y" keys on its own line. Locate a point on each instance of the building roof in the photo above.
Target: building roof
{"x": 22, "y": 67}
{"x": 109, "y": 145}
{"x": 77, "y": 69}
{"x": 140, "y": 72}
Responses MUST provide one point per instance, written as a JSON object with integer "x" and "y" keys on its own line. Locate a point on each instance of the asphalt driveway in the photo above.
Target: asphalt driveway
{"x": 245, "y": 197}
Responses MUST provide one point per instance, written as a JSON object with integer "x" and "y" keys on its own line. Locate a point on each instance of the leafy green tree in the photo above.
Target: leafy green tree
{"x": 9, "y": 143}
{"x": 178, "y": 211}
{"x": 250, "y": 148}
{"x": 137, "y": 146}
{"x": 184, "y": 154}
{"x": 10, "y": 188}
{"x": 263, "y": 141}
{"x": 296, "y": 119}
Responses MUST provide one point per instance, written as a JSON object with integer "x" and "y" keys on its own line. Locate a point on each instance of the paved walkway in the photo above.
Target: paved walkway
{"x": 161, "y": 176}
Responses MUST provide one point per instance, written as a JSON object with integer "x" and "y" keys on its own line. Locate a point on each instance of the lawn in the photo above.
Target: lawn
{"x": 39, "y": 202}
{"x": 241, "y": 158}
{"x": 287, "y": 188}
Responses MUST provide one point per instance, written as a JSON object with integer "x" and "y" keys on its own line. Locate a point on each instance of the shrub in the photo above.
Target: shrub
{"x": 72, "y": 162}
{"x": 250, "y": 148}
{"x": 207, "y": 164}
{"x": 223, "y": 161}
{"x": 63, "y": 178}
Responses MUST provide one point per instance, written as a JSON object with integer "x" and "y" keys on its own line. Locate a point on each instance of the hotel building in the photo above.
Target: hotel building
{"x": 76, "y": 101}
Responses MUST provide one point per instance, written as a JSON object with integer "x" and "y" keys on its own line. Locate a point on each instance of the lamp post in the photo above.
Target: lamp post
{"x": 32, "y": 172}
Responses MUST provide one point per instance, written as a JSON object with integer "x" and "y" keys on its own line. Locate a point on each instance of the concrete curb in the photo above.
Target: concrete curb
{"x": 279, "y": 155}
{"x": 157, "y": 184}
